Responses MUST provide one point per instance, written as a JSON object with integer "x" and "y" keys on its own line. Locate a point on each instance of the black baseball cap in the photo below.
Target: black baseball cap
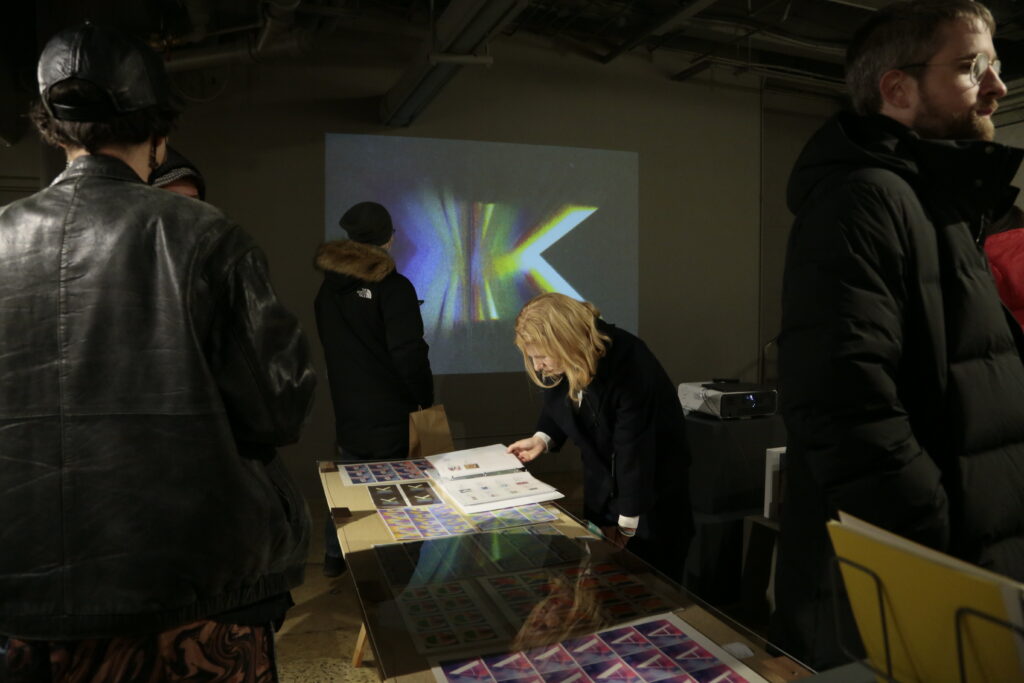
{"x": 124, "y": 68}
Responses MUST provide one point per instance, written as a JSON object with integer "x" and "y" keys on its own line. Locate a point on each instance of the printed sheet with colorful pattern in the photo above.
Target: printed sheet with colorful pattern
{"x": 383, "y": 472}
{"x": 661, "y": 649}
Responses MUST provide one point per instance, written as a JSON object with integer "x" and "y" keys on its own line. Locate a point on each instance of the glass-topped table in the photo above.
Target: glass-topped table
{"x": 526, "y": 595}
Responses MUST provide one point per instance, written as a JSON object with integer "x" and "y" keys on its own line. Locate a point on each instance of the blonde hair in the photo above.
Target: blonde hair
{"x": 570, "y": 608}
{"x": 565, "y": 330}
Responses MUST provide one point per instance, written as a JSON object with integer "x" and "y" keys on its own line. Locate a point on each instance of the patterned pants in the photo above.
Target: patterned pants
{"x": 205, "y": 651}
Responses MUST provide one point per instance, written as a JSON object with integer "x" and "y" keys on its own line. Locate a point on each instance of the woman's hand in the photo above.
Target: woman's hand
{"x": 615, "y": 537}
{"x": 527, "y": 449}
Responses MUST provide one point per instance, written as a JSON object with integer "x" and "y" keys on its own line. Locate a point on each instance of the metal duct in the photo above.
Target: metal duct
{"x": 277, "y": 36}
{"x": 463, "y": 28}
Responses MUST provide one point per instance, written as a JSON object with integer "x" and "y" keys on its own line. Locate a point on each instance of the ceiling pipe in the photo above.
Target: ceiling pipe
{"x": 692, "y": 8}
{"x": 279, "y": 15}
{"x": 295, "y": 43}
{"x": 277, "y": 35}
{"x": 459, "y": 33}
{"x": 711, "y": 53}
{"x": 198, "y": 12}
{"x": 762, "y": 34}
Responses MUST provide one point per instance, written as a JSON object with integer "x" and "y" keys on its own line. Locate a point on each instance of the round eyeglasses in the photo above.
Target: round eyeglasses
{"x": 976, "y": 66}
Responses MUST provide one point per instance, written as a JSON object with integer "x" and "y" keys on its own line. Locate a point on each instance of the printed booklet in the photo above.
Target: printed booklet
{"x": 488, "y": 478}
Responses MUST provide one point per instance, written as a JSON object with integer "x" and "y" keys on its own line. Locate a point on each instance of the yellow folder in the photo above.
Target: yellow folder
{"x": 921, "y": 591}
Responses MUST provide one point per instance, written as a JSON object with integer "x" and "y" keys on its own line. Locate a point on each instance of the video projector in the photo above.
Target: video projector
{"x": 728, "y": 400}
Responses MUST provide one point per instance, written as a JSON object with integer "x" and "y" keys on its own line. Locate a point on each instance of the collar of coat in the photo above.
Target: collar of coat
{"x": 98, "y": 165}
{"x": 356, "y": 259}
{"x": 976, "y": 171}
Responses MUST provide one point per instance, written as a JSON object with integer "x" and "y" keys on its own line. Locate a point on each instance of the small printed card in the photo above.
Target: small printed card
{"x": 386, "y": 496}
{"x": 420, "y": 493}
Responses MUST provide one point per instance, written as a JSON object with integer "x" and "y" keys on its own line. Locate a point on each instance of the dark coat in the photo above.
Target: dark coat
{"x": 148, "y": 372}
{"x": 901, "y": 385}
{"x": 369, "y": 322}
{"x": 632, "y": 436}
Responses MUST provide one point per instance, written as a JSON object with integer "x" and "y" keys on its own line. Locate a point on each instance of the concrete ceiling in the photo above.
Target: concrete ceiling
{"x": 790, "y": 43}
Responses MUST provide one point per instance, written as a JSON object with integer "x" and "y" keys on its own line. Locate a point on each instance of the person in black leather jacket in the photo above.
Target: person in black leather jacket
{"x": 149, "y": 373}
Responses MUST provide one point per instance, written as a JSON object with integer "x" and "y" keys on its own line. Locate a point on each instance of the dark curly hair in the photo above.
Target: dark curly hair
{"x": 122, "y": 129}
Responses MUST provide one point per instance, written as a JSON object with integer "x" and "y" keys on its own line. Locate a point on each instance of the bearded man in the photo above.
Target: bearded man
{"x": 900, "y": 373}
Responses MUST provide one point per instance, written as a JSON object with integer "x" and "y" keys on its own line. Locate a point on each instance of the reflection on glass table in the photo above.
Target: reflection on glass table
{"x": 537, "y": 602}
{"x": 473, "y": 600}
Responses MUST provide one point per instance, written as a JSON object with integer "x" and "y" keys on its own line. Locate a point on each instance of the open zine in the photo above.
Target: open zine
{"x": 488, "y": 478}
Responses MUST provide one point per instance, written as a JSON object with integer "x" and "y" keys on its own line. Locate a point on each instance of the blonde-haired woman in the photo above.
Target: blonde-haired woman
{"x": 605, "y": 390}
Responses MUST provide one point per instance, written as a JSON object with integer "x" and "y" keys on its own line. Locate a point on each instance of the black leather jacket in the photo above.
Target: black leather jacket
{"x": 148, "y": 373}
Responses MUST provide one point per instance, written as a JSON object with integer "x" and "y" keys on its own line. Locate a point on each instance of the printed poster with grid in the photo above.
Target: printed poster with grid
{"x": 661, "y": 649}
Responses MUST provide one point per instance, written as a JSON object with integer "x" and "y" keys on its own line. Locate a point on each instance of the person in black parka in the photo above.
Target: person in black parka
{"x": 901, "y": 379}
{"x": 605, "y": 390}
{"x": 368, "y": 319}
{"x": 369, "y": 322}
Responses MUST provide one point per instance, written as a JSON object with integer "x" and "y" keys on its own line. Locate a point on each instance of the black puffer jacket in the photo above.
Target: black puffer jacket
{"x": 901, "y": 379}
{"x": 148, "y": 372}
{"x": 369, "y": 322}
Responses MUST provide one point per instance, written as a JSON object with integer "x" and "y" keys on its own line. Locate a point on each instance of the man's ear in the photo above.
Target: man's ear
{"x": 898, "y": 90}
{"x": 161, "y": 149}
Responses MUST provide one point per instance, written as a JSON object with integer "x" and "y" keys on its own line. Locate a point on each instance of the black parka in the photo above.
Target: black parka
{"x": 369, "y": 322}
{"x": 148, "y": 372}
{"x": 901, "y": 379}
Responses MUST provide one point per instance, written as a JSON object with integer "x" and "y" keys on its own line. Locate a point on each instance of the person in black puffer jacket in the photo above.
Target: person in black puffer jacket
{"x": 368, "y": 319}
{"x": 901, "y": 379}
{"x": 369, "y": 322}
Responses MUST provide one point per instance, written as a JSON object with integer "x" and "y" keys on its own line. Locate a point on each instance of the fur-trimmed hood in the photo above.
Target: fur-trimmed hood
{"x": 355, "y": 259}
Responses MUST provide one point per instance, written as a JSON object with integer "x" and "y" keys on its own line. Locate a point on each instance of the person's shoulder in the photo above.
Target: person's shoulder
{"x": 355, "y": 259}
{"x": 869, "y": 178}
{"x": 619, "y": 336}
{"x": 622, "y": 344}
{"x": 395, "y": 278}
{"x": 865, "y": 193}
{"x": 397, "y": 286}
{"x": 181, "y": 212}
{"x": 23, "y": 203}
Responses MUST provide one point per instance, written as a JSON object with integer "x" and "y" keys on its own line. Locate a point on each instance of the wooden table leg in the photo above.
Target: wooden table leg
{"x": 357, "y": 655}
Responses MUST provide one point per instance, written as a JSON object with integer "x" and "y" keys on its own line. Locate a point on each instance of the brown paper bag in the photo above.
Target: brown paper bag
{"x": 429, "y": 433}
